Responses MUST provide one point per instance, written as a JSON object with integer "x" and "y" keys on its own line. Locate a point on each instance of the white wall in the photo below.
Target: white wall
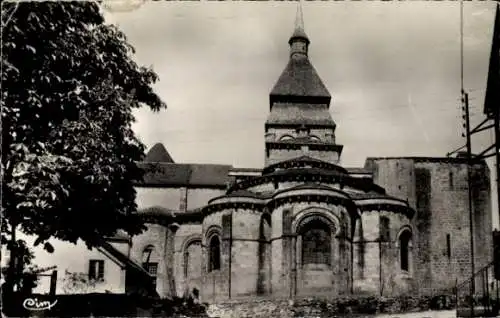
{"x": 74, "y": 258}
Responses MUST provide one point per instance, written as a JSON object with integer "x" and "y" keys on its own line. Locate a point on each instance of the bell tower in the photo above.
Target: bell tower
{"x": 299, "y": 123}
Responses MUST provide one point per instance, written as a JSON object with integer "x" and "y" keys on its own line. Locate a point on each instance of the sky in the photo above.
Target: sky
{"x": 392, "y": 68}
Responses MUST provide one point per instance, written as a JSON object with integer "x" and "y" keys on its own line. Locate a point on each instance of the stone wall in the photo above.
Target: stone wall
{"x": 376, "y": 257}
{"x": 289, "y": 276}
{"x": 179, "y": 199}
{"x": 339, "y": 307}
{"x": 156, "y": 236}
{"x": 325, "y": 134}
{"x": 188, "y": 258}
{"x": 168, "y": 198}
{"x": 277, "y": 155}
{"x": 215, "y": 284}
{"x": 245, "y": 253}
{"x": 437, "y": 189}
{"x": 199, "y": 197}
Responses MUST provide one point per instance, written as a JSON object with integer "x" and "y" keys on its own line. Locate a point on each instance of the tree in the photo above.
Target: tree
{"x": 69, "y": 154}
{"x": 22, "y": 265}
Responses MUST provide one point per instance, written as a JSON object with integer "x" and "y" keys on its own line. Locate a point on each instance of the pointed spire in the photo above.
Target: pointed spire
{"x": 299, "y": 32}
{"x": 299, "y": 80}
{"x": 299, "y": 18}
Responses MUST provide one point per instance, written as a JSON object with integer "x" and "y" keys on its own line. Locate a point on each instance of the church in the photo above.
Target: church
{"x": 303, "y": 225}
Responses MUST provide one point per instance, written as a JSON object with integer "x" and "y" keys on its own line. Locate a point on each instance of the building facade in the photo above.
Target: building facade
{"x": 303, "y": 225}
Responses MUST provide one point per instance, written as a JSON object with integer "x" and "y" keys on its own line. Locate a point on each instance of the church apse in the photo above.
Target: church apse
{"x": 305, "y": 226}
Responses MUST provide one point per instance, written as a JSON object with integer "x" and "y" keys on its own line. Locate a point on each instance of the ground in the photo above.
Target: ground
{"x": 423, "y": 314}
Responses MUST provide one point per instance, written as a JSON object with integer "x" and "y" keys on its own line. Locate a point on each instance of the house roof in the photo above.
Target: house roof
{"x": 358, "y": 170}
{"x": 158, "y": 210}
{"x": 158, "y": 153}
{"x": 122, "y": 258}
{"x": 300, "y": 79}
{"x": 194, "y": 175}
{"x": 120, "y": 235}
{"x": 299, "y": 114}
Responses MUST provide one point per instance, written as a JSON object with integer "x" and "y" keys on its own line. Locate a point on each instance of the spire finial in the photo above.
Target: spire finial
{"x": 299, "y": 19}
{"x": 299, "y": 41}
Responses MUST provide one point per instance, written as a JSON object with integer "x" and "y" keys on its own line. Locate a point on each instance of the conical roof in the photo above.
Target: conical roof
{"x": 299, "y": 82}
{"x": 158, "y": 153}
{"x": 300, "y": 79}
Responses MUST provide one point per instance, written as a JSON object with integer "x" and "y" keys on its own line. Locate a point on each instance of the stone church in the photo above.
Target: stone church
{"x": 303, "y": 225}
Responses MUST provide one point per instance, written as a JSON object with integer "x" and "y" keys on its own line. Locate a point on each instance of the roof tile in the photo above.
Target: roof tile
{"x": 173, "y": 174}
{"x": 300, "y": 79}
{"x": 158, "y": 153}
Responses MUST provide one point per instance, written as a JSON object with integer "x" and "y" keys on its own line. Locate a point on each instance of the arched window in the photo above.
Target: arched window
{"x": 404, "y": 250}
{"x": 150, "y": 261}
{"x": 316, "y": 243}
{"x": 286, "y": 137}
{"x": 192, "y": 259}
{"x": 314, "y": 138}
{"x": 265, "y": 227}
{"x": 214, "y": 254}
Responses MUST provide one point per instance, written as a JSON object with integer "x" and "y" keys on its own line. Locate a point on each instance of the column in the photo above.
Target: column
{"x": 170, "y": 251}
{"x": 287, "y": 247}
{"x": 226, "y": 258}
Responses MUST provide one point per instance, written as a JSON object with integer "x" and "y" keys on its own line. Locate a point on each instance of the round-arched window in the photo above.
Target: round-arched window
{"x": 404, "y": 250}
{"x": 214, "y": 253}
{"x": 316, "y": 243}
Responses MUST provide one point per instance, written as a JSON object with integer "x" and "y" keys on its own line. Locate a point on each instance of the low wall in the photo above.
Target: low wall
{"x": 315, "y": 307}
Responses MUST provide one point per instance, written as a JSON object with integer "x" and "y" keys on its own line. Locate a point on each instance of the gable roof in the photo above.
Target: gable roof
{"x": 122, "y": 258}
{"x": 300, "y": 79}
{"x": 158, "y": 153}
{"x": 304, "y": 161}
{"x": 194, "y": 175}
{"x": 120, "y": 236}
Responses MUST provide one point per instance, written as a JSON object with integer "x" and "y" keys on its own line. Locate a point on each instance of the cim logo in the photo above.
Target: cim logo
{"x": 35, "y": 304}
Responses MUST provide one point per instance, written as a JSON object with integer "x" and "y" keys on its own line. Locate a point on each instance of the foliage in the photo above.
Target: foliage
{"x": 69, "y": 154}
{"x": 369, "y": 305}
{"x": 173, "y": 307}
{"x": 23, "y": 266}
{"x": 78, "y": 283}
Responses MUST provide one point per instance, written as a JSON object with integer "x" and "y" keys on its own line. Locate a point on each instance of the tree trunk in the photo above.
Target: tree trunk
{"x": 11, "y": 271}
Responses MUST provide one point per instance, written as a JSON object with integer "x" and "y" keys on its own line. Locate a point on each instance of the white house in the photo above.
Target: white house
{"x": 105, "y": 269}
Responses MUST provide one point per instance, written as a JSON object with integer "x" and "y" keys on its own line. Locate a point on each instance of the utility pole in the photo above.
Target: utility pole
{"x": 467, "y": 135}
{"x": 496, "y": 127}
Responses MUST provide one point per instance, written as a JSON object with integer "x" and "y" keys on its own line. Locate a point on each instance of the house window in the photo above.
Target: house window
{"x": 448, "y": 245}
{"x": 150, "y": 262}
{"x": 404, "y": 249}
{"x": 214, "y": 259}
{"x": 96, "y": 270}
{"x": 450, "y": 180}
{"x": 316, "y": 243}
